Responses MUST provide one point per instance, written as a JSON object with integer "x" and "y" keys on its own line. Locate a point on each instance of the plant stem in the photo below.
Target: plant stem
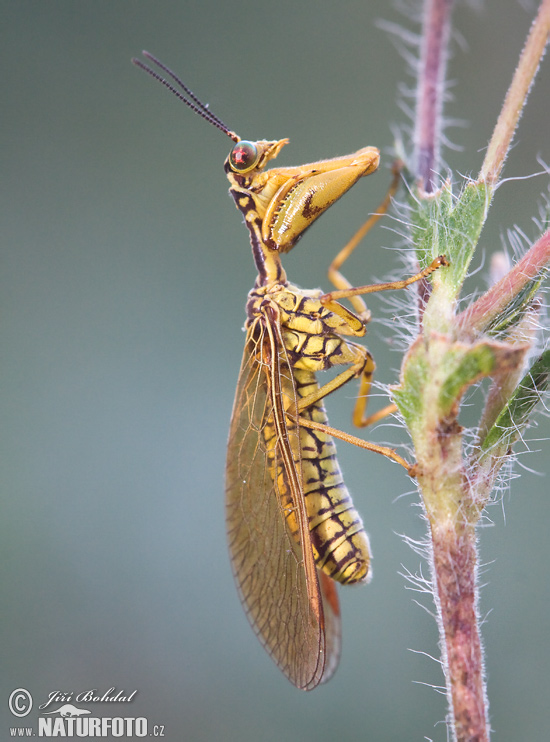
{"x": 453, "y": 544}
{"x": 455, "y": 569}
{"x": 452, "y": 353}
{"x": 516, "y": 96}
{"x": 431, "y": 81}
{"x": 480, "y": 314}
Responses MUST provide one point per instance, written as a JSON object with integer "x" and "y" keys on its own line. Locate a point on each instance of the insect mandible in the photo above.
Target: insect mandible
{"x": 293, "y": 531}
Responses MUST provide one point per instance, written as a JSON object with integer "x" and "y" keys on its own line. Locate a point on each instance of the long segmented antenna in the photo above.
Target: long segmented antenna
{"x": 192, "y": 101}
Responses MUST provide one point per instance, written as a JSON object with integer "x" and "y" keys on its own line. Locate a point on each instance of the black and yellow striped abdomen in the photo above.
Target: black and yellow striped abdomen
{"x": 338, "y": 539}
{"x": 340, "y": 544}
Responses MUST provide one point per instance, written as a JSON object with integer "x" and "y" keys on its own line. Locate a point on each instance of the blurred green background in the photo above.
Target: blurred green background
{"x": 124, "y": 272}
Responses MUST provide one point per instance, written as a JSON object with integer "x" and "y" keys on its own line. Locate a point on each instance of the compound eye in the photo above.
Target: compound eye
{"x": 244, "y": 157}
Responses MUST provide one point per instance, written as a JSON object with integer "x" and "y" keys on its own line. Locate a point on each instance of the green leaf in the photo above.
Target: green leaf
{"x": 515, "y": 310}
{"x": 445, "y": 225}
{"x": 515, "y": 415}
{"x": 436, "y": 374}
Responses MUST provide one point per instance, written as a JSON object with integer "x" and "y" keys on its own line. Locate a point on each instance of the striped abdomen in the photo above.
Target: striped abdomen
{"x": 340, "y": 544}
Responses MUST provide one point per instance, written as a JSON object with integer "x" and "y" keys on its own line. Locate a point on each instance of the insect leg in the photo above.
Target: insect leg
{"x": 335, "y": 433}
{"x": 364, "y": 364}
{"x": 330, "y": 300}
{"x": 360, "y": 419}
{"x": 339, "y": 280}
{"x": 361, "y": 364}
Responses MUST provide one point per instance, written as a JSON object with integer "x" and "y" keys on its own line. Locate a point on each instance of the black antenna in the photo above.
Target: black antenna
{"x": 192, "y": 101}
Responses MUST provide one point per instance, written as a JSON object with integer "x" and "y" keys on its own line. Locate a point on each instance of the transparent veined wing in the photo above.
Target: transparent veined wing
{"x": 292, "y": 608}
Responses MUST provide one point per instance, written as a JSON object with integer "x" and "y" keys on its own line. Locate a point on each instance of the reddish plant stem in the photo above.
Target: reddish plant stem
{"x": 516, "y": 96}
{"x": 431, "y": 82}
{"x": 429, "y": 107}
{"x": 455, "y": 571}
{"x": 453, "y": 509}
{"x": 494, "y": 302}
{"x": 454, "y": 557}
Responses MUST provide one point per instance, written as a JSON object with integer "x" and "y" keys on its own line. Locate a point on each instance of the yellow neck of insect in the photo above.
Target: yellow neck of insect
{"x": 268, "y": 262}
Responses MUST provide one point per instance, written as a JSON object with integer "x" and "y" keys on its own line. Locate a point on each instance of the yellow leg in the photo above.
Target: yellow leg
{"x": 384, "y": 450}
{"x": 362, "y": 365}
{"x": 365, "y": 366}
{"x": 331, "y": 299}
{"x": 340, "y": 281}
{"x": 360, "y": 419}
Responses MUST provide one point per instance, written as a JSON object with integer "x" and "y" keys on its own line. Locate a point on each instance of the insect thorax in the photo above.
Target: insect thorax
{"x": 310, "y": 332}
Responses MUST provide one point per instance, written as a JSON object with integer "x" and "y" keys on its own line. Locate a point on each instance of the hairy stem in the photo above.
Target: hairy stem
{"x": 454, "y": 558}
{"x": 431, "y": 80}
{"x": 490, "y": 339}
{"x": 455, "y": 569}
{"x": 516, "y": 96}
{"x": 494, "y": 302}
